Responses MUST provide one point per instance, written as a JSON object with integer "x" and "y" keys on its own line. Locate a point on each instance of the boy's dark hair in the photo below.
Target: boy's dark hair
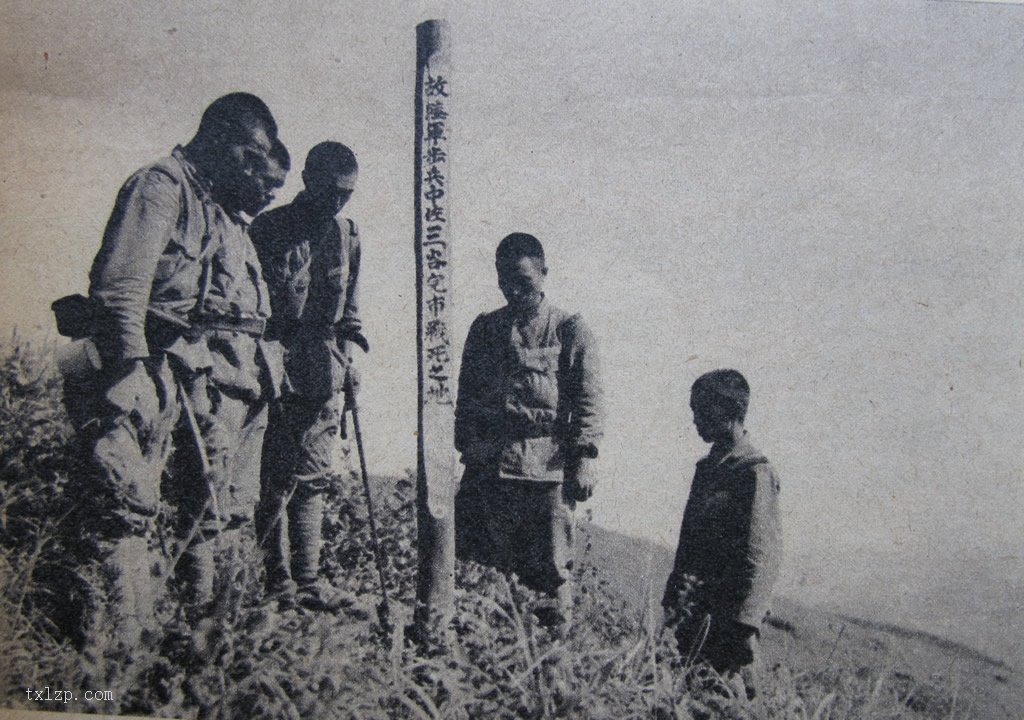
{"x": 727, "y": 389}
{"x": 279, "y": 154}
{"x": 331, "y": 157}
{"x": 231, "y": 115}
{"x": 518, "y": 245}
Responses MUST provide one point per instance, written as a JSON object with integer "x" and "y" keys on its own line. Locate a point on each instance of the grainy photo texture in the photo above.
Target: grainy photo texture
{"x": 425, "y": 360}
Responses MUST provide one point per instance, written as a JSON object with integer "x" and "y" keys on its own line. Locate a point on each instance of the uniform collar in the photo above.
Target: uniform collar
{"x": 302, "y": 208}
{"x": 740, "y": 453}
{"x": 200, "y": 181}
{"x": 204, "y": 186}
{"x": 541, "y": 311}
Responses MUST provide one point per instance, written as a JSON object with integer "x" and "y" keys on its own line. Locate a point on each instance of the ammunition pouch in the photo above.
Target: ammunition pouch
{"x": 76, "y": 316}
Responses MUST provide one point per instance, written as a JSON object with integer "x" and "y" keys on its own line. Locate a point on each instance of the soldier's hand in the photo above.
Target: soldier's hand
{"x": 353, "y": 337}
{"x": 131, "y": 390}
{"x": 581, "y": 479}
{"x": 357, "y": 338}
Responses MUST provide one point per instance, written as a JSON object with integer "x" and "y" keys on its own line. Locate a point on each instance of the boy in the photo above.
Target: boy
{"x": 730, "y": 542}
{"x": 528, "y": 423}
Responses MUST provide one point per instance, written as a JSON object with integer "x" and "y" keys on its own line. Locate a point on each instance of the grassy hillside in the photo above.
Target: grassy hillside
{"x": 824, "y": 642}
{"x": 252, "y": 659}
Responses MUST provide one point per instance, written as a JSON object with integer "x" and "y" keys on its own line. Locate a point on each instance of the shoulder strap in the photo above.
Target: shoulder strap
{"x": 206, "y": 250}
{"x": 566, "y": 327}
{"x": 748, "y": 462}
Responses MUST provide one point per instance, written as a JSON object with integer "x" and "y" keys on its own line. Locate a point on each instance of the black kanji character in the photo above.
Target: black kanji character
{"x": 435, "y": 155}
{"x": 437, "y": 372}
{"x": 434, "y": 176}
{"x": 436, "y": 111}
{"x": 436, "y": 305}
{"x": 435, "y": 258}
{"x": 437, "y": 330}
{"x": 437, "y": 86}
{"x": 437, "y": 282}
{"x": 441, "y": 393}
{"x": 439, "y": 353}
{"x": 435, "y": 131}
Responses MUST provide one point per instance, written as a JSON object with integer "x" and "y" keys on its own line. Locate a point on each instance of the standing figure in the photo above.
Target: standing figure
{"x": 177, "y": 309}
{"x": 730, "y": 545}
{"x": 528, "y": 424}
{"x": 311, "y": 264}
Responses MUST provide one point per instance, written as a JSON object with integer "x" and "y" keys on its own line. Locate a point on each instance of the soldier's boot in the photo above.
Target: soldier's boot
{"x": 197, "y": 576}
{"x": 195, "y": 573}
{"x": 321, "y": 597}
{"x": 734, "y": 687}
{"x": 271, "y": 520}
{"x": 305, "y": 518}
{"x": 752, "y": 673}
{"x": 136, "y": 585}
{"x": 120, "y": 620}
{"x": 564, "y": 602}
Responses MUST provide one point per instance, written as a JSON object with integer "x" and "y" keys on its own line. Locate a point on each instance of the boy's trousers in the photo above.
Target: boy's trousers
{"x": 732, "y": 648}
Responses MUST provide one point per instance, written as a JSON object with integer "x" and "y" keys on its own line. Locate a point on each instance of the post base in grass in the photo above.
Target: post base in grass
{"x": 430, "y": 632}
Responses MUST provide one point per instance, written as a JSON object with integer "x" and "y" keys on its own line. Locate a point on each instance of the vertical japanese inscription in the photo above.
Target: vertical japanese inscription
{"x": 435, "y": 247}
{"x": 437, "y": 475}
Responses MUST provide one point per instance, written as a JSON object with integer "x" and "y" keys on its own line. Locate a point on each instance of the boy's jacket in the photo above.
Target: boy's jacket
{"x": 730, "y": 540}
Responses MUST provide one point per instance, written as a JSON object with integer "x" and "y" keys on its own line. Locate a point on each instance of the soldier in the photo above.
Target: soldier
{"x": 730, "y": 542}
{"x": 528, "y": 424}
{"x": 311, "y": 264}
{"x": 268, "y": 182}
{"x": 179, "y": 308}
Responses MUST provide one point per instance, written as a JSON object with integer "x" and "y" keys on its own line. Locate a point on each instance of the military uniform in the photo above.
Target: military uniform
{"x": 529, "y": 405}
{"x": 178, "y": 287}
{"x": 728, "y": 559}
{"x": 312, "y": 269}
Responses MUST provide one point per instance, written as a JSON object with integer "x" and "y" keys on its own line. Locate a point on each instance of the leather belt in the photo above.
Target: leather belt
{"x": 526, "y": 432}
{"x": 250, "y": 326}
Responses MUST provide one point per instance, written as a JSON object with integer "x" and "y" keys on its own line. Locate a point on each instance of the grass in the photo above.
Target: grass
{"x": 252, "y": 660}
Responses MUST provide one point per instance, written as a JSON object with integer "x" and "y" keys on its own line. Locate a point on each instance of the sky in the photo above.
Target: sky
{"x": 825, "y": 196}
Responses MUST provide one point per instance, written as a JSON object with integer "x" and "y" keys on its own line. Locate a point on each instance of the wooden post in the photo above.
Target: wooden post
{"x": 437, "y": 467}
